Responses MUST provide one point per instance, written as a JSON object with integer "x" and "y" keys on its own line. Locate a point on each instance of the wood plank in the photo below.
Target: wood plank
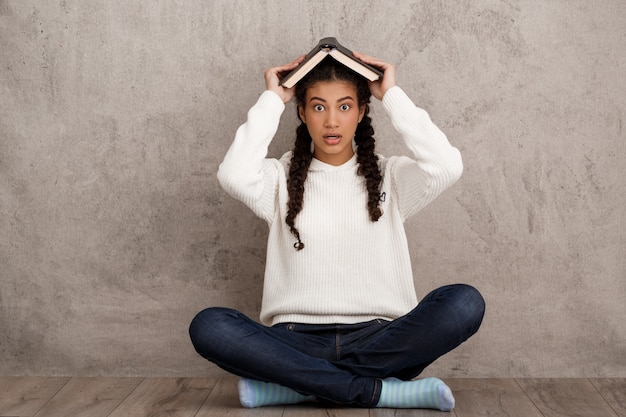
{"x": 316, "y": 410}
{"x": 224, "y": 401}
{"x": 408, "y": 412}
{"x": 566, "y": 397}
{"x": 491, "y": 397}
{"x": 172, "y": 397}
{"x": 25, "y": 395}
{"x": 89, "y": 397}
{"x": 613, "y": 390}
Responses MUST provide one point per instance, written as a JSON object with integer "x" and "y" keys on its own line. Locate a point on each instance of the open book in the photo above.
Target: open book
{"x": 330, "y": 47}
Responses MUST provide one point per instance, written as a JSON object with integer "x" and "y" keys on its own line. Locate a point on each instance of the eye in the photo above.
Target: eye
{"x": 344, "y": 107}
{"x": 318, "y": 107}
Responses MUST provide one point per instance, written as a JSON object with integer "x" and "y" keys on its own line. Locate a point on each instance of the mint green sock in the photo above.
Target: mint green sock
{"x": 422, "y": 393}
{"x": 254, "y": 393}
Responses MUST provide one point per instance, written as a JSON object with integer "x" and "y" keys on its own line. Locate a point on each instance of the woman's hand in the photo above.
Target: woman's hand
{"x": 275, "y": 74}
{"x": 380, "y": 86}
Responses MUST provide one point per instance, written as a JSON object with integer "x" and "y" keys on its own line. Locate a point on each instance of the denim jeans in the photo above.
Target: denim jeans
{"x": 340, "y": 363}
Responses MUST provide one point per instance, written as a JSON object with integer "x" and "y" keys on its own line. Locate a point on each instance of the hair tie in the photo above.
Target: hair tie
{"x": 298, "y": 245}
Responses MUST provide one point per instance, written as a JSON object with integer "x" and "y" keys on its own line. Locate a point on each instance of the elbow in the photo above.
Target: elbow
{"x": 226, "y": 179}
{"x": 238, "y": 183}
{"x": 457, "y": 170}
{"x": 221, "y": 176}
{"x": 454, "y": 167}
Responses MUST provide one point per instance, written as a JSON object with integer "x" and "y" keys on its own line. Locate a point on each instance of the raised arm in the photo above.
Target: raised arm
{"x": 435, "y": 164}
{"x": 245, "y": 173}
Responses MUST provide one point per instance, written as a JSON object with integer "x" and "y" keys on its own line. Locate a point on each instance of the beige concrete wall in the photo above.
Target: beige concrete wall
{"x": 114, "y": 115}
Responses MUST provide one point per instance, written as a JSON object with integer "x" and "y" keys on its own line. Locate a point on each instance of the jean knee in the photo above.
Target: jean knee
{"x": 205, "y": 329}
{"x": 472, "y": 304}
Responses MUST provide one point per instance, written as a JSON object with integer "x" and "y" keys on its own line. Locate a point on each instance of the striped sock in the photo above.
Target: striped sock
{"x": 421, "y": 393}
{"x": 254, "y": 393}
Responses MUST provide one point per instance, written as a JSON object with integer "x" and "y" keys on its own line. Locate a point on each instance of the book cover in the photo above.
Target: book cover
{"x": 330, "y": 47}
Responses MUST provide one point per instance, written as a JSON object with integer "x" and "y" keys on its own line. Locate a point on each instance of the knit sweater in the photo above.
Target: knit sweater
{"x": 351, "y": 269}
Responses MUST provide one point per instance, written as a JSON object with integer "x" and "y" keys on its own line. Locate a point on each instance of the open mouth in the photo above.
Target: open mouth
{"x": 332, "y": 138}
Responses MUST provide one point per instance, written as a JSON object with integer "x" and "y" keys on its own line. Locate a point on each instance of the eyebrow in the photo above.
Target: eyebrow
{"x": 341, "y": 99}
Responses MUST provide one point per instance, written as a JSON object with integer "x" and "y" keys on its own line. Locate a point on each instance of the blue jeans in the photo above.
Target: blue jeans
{"x": 340, "y": 363}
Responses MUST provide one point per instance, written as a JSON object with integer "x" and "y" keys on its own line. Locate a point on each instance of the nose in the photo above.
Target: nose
{"x": 331, "y": 119}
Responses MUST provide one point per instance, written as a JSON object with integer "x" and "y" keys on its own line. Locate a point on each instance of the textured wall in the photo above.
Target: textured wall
{"x": 114, "y": 116}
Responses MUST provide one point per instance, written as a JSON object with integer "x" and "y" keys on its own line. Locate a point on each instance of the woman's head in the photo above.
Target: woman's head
{"x": 331, "y": 70}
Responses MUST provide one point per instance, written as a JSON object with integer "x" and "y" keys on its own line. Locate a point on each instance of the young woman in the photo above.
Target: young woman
{"x": 341, "y": 322}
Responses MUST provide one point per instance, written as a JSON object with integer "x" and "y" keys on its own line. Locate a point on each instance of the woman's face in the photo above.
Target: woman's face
{"x": 331, "y": 114}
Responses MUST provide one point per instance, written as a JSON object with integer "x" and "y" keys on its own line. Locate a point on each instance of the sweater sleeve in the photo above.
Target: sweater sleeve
{"x": 435, "y": 165}
{"x": 245, "y": 173}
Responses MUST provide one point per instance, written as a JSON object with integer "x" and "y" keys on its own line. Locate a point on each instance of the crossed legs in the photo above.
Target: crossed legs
{"x": 373, "y": 366}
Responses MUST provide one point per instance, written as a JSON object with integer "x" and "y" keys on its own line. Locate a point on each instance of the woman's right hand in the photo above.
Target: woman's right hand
{"x": 275, "y": 74}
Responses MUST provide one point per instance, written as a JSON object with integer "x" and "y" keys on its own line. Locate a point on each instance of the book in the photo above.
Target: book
{"x": 330, "y": 47}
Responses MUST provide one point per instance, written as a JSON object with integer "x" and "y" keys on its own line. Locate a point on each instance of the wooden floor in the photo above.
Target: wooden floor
{"x": 204, "y": 397}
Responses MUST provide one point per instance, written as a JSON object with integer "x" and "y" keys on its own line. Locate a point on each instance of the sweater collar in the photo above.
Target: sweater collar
{"x": 317, "y": 165}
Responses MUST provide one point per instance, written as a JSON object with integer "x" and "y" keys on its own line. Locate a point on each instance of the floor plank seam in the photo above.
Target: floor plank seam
{"x": 126, "y": 397}
{"x": 206, "y": 399}
{"x": 45, "y": 404}
{"x": 617, "y": 412}
{"x": 529, "y": 397}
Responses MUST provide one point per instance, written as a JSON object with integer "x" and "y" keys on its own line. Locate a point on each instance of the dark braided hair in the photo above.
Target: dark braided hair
{"x": 331, "y": 70}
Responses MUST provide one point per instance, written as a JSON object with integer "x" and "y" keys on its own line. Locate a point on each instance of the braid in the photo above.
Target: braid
{"x": 301, "y": 157}
{"x": 298, "y": 170}
{"x": 368, "y": 165}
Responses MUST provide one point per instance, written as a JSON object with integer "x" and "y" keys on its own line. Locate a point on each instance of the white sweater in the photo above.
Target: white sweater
{"x": 351, "y": 269}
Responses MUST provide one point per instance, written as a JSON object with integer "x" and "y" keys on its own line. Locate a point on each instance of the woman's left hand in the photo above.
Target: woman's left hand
{"x": 380, "y": 86}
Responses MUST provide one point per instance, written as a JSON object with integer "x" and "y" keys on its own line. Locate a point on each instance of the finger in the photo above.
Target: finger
{"x": 282, "y": 70}
{"x": 291, "y": 65}
{"x": 288, "y": 66}
{"x": 372, "y": 61}
{"x": 365, "y": 58}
